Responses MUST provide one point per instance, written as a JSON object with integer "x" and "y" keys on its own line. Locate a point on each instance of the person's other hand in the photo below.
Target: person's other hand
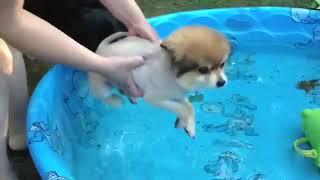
{"x": 118, "y": 70}
{"x": 144, "y": 30}
{"x": 6, "y": 59}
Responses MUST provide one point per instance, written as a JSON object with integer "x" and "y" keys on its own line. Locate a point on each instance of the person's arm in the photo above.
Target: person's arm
{"x": 36, "y": 37}
{"x": 129, "y": 13}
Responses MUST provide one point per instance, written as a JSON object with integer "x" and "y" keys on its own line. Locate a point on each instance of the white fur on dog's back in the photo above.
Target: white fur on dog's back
{"x": 155, "y": 77}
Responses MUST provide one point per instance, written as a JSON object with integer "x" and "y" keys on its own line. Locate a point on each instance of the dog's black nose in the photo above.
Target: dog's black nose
{"x": 221, "y": 83}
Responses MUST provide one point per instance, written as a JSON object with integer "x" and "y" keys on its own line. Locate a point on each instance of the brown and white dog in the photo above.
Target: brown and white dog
{"x": 13, "y": 105}
{"x": 191, "y": 58}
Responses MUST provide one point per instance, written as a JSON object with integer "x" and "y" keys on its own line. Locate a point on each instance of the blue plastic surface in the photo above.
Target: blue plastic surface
{"x": 60, "y": 97}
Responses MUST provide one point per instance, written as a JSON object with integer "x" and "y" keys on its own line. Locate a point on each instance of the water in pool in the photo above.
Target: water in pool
{"x": 244, "y": 130}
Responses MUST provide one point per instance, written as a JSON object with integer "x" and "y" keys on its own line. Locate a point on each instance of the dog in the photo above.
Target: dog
{"x": 190, "y": 59}
{"x": 13, "y": 105}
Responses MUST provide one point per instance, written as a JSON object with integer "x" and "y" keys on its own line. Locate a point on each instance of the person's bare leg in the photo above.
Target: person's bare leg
{"x": 5, "y": 168}
{"x": 18, "y": 102}
{"x": 6, "y": 172}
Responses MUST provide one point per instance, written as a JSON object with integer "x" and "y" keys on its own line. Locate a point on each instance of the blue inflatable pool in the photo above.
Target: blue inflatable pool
{"x": 244, "y": 131}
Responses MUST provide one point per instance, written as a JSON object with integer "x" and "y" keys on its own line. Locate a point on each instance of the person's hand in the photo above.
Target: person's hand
{"x": 144, "y": 30}
{"x": 118, "y": 70}
{"x": 6, "y": 66}
{"x": 6, "y": 59}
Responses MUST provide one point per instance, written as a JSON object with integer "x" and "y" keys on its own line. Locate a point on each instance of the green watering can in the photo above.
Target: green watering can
{"x": 311, "y": 128}
{"x": 315, "y": 4}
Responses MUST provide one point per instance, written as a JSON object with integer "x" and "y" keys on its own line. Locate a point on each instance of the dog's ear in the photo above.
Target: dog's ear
{"x": 180, "y": 63}
{"x": 173, "y": 50}
{"x": 166, "y": 45}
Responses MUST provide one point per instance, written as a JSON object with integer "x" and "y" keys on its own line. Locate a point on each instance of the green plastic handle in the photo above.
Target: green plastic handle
{"x": 306, "y": 153}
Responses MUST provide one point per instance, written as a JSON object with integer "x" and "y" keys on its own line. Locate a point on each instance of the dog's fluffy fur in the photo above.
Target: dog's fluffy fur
{"x": 191, "y": 58}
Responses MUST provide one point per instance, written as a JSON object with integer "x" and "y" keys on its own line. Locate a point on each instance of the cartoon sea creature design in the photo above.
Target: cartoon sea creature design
{"x": 308, "y": 17}
{"x": 56, "y": 141}
{"x": 239, "y": 106}
{"x": 257, "y": 176}
{"x": 225, "y": 167}
{"x": 231, "y": 144}
{"x": 240, "y": 114}
{"x": 79, "y": 104}
{"x": 316, "y": 32}
{"x": 233, "y": 126}
{"x": 212, "y": 107}
{"x": 196, "y": 97}
{"x": 305, "y": 16}
{"x": 241, "y": 69}
{"x": 52, "y": 175}
{"x": 40, "y": 132}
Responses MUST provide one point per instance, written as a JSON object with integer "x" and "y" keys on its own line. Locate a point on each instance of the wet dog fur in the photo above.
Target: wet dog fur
{"x": 190, "y": 59}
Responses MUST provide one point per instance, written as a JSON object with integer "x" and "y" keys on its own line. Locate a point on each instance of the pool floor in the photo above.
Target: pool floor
{"x": 244, "y": 130}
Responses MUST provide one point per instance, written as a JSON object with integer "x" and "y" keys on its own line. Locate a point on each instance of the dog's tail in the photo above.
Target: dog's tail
{"x": 110, "y": 39}
{"x": 115, "y": 37}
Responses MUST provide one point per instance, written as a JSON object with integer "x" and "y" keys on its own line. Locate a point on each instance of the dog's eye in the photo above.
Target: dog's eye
{"x": 222, "y": 65}
{"x": 204, "y": 70}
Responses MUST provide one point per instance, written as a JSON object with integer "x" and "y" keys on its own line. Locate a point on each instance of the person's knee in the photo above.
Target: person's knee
{"x": 18, "y": 85}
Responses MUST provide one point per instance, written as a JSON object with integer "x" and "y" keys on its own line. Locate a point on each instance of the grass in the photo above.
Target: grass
{"x": 158, "y": 7}
{"x": 36, "y": 69}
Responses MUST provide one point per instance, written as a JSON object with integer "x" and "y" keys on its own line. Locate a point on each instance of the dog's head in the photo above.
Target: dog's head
{"x": 198, "y": 56}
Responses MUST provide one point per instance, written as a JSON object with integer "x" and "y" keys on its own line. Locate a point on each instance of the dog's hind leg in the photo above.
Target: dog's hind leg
{"x": 102, "y": 91}
{"x": 185, "y": 112}
{"x": 187, "y": 121}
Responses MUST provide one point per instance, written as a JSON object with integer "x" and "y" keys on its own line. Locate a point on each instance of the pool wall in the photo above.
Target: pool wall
{"x": 50, "y": 106}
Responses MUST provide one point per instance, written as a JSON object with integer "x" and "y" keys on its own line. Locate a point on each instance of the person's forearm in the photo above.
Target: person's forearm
{"x": 38, "y": 38}
{"x": 127, "y": 11}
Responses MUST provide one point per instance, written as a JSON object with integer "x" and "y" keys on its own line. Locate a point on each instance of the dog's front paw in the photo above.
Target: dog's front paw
{"x": 188, "y": 125}
{"x": 178, "y": 123}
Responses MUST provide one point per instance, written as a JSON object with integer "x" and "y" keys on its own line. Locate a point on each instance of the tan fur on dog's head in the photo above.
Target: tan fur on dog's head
{"x": 198, "y": 56}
